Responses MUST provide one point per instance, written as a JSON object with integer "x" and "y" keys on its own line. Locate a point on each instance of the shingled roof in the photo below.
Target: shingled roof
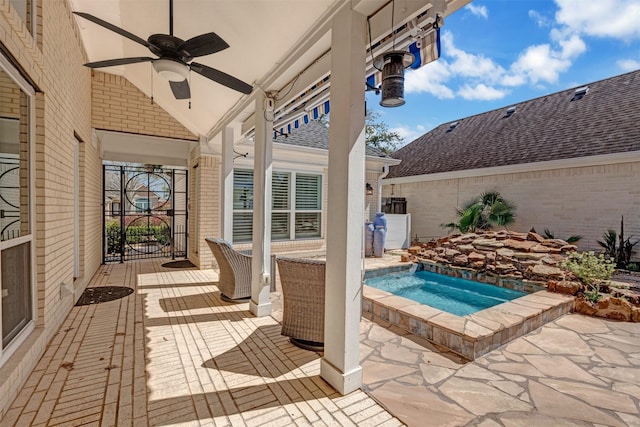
{"x": 562, "y": 125}
{"x": 315, "y": 135}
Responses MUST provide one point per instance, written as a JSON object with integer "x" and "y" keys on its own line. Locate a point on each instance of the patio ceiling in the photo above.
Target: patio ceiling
{"x": 271, "y": 43}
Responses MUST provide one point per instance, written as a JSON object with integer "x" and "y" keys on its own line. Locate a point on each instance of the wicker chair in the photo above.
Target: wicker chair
{"x": 235, "y": 271}
{"x": 303, "y": 284}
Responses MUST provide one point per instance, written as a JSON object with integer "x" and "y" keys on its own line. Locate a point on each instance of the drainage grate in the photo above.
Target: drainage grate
{"x": 184, "y": 263}
{"x": 103, "y": 294}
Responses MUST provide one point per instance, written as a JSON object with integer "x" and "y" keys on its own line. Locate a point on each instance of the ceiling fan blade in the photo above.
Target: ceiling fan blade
{"x": 180, "y": 89}
{"x": 204, "y": 44}
{"x": 118, "y": 61}
{"x": 113, "y": 28}
{"x": 222, "y": 78}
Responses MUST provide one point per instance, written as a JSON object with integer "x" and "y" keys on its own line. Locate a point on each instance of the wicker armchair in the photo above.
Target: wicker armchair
{"x": 235, "y": 271}
{"x": 303, "y": 284}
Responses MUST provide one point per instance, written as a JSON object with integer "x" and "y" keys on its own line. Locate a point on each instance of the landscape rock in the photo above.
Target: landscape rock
{"x": 504, "y": 252}
{"x": 466, "y": 248}
{"x": 475, "y": 256}
{"x": 460, "y": 260}
{"x": 490, "y": 244}
{"x": 520, "y": 245}
{"x": 541, "y": 248}
{"x": 535, "y": 237}
{"x": 584, "y": 306}
{"x": 552, "y": 259}
{"x": 608, "y": 307}
{"x": 554, "y": 243}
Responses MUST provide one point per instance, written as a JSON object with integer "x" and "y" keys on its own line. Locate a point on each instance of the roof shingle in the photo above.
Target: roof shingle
{"x": 315, "y": 135}
{"x": 551, "y": 127}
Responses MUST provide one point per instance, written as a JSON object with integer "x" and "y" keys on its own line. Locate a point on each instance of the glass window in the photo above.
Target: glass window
{"x": 16, "y": 295}
{"x": 142, "y": 204}
{"x": 296, "y": 205}
{"x": 24, "y": 8}
{"x": 15, "y": 226}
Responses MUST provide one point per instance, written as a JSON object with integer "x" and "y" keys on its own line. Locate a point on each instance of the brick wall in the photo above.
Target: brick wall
{"x": 579, "y": 200}
{"x": 53, "y": 60}
{"x": 204, "y": 195}
{"x": 119, "y": 106}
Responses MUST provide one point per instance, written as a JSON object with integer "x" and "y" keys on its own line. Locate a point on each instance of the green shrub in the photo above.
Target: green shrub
{"x": 589, "y": 268}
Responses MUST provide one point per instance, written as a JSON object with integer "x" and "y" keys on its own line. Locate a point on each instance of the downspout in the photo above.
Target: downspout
{"x": 385, "y": 172}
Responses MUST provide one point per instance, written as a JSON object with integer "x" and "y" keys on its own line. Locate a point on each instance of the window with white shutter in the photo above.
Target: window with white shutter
{"x": 296, "y": 208}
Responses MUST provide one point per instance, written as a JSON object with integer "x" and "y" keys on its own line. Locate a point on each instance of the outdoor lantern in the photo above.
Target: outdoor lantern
{"x": 392, "y": 65}
{"x": 369, "y": 189}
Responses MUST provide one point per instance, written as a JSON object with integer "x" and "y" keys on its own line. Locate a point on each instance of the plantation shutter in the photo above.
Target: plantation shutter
{"x": 308, "y": 192}
{"x": 308, "y": 205}
{"x": 242, "y": 189}
{"x": 280, "y": 193}
{"x": 242, "y": 201}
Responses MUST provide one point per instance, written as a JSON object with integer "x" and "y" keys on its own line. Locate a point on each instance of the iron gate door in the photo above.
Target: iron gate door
{"x": 145, "y": 212}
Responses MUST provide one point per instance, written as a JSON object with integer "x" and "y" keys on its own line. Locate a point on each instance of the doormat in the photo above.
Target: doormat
{"x": 183, "y": 263}
{"x": 103, "y": 294}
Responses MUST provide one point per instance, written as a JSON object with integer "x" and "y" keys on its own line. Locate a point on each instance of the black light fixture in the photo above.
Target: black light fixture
{"x": 392, "y": 65}
{"x": 369, "y": 189}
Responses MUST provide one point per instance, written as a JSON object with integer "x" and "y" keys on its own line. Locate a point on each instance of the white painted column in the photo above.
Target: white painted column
{"x": 260, "y": 304}
{"x": 340, "y": 365}
{"x": 226, "y": 185}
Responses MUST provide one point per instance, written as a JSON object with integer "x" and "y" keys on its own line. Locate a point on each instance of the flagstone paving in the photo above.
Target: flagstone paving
{"x": 575, "y": 371}
{"x": 173, "y": 353}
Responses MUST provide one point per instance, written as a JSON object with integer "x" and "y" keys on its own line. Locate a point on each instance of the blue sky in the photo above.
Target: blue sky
{"x": 496, "y": 53}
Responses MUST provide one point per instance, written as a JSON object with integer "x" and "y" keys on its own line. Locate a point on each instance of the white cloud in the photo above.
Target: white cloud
{"x": 543, "y": 63}
{"x": 539, "y": 63}
{"x": 480, "y": 11}
{"x": 601, "y": 18}
{"x": 628, "y": 64}
{"x": 540, "y": 19}
{"x": 470, "y": 65}
{"x": 481, "y": 92}
{"x": 430, "y": 79}
{"x": 408, "y": 134}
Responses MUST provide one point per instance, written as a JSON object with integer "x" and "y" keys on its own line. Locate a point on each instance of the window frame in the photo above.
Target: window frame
{"x": 292, "y": 211}
{"x": 28, "y": 90}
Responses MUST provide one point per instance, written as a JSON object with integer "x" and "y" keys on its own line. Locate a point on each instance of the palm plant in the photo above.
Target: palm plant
{"x": 571, "y": 239}
{"x": 483, "y": 213}
{"x": 617, "y": 247}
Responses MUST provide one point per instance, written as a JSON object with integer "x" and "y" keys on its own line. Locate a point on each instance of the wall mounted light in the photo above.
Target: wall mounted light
{"x": 369, "y": 189}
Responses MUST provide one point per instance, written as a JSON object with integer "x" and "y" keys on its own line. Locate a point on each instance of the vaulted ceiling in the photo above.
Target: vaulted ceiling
{"x": 271, "y": 42}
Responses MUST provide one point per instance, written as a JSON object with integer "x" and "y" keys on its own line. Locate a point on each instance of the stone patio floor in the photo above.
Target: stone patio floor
{"x": 173, "y": 353}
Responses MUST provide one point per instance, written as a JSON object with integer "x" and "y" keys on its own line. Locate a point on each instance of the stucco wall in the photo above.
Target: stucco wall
{"x": 585, "y": 200}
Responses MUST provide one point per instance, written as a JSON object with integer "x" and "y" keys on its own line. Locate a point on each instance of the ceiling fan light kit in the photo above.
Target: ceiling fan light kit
{"x": 171, "y": 70}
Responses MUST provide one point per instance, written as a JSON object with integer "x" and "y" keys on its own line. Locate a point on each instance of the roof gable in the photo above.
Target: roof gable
{"x": 556, "y": 126}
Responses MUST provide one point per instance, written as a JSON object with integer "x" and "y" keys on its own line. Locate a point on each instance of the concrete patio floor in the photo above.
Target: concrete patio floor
{"x": 173, "y": 353}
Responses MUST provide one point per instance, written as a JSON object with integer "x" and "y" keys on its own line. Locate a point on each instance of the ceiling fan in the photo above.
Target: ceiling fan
{"x": 174, "y": 56}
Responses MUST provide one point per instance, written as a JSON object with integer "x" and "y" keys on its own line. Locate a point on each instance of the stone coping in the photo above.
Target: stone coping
{"x": 472, "y": 335}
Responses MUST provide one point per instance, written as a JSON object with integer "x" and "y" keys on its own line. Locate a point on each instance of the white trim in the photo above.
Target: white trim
{"x": 29, "y": 91}
{"x": 7, "y": 352}
{"x": 131, "y": 147}
{"x": 76, "y": 208}
{"x": 8, "y": 68}
{"x": 576, "y": 162}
